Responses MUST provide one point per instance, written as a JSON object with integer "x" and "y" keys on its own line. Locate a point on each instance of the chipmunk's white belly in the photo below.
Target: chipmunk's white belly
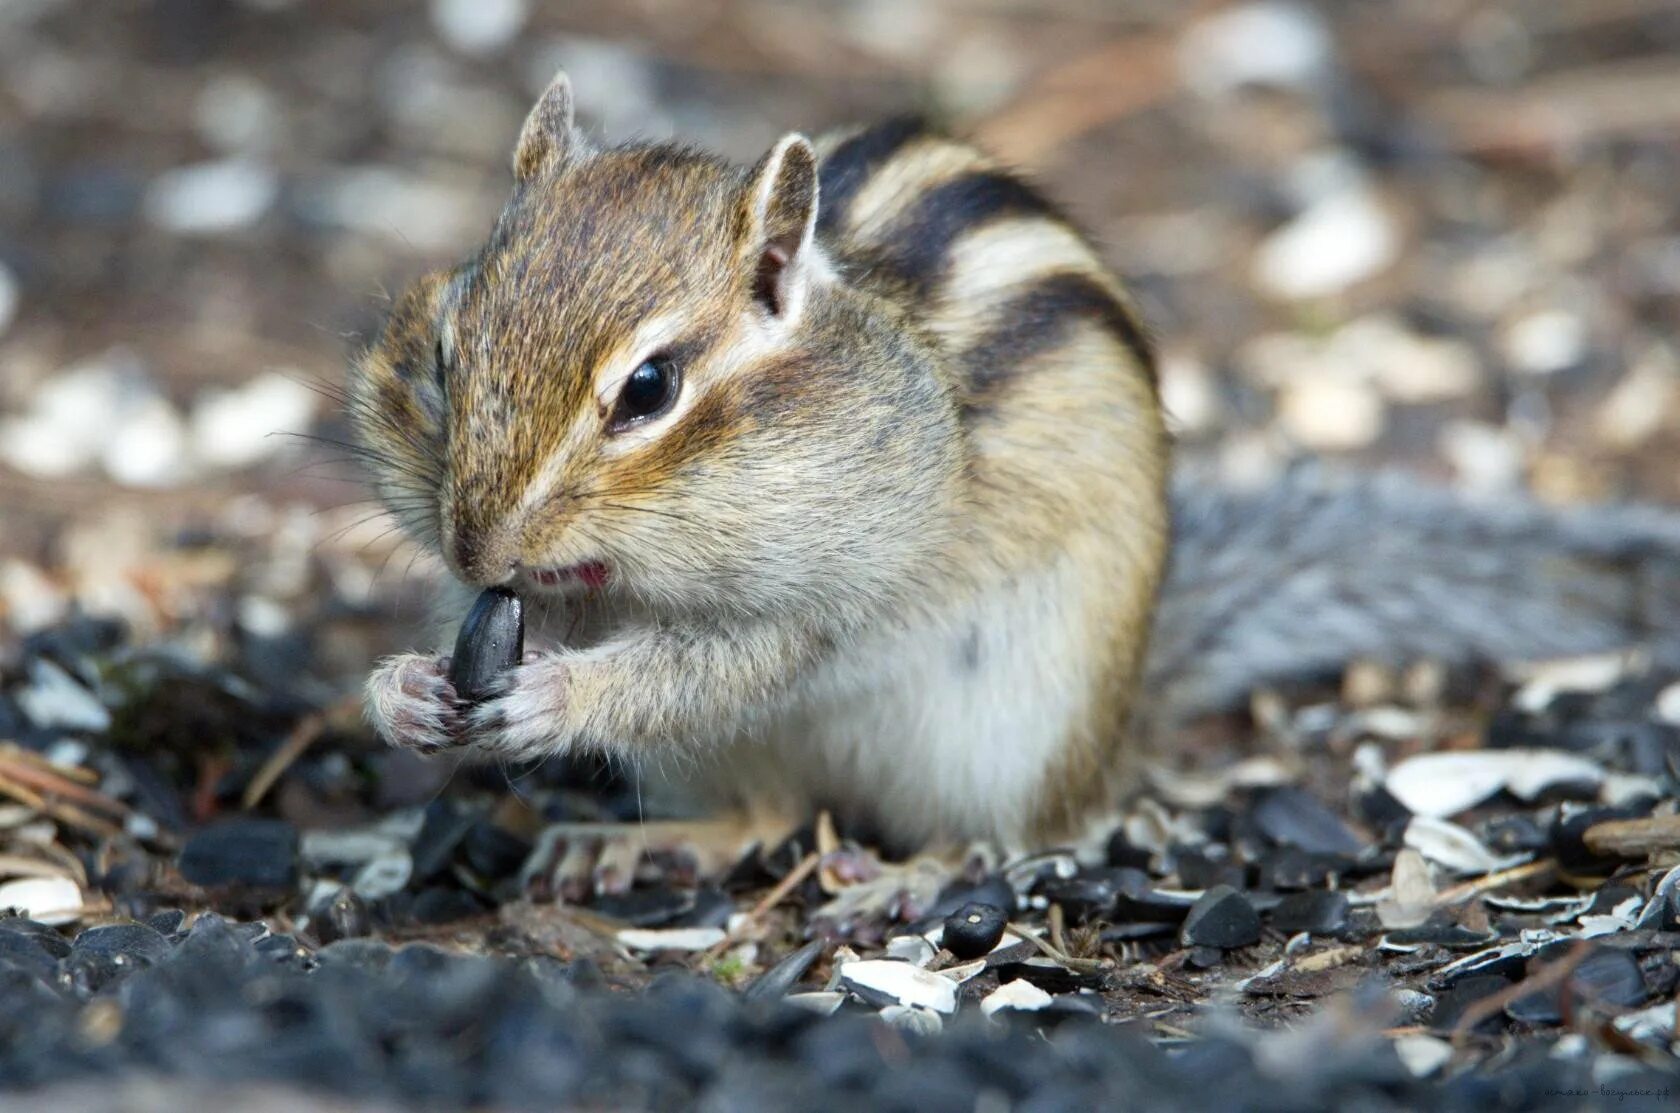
{"x": 945, "y": 729}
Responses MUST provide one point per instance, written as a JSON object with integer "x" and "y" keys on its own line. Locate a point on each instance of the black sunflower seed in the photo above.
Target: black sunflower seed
{"x": 491, "y": 641}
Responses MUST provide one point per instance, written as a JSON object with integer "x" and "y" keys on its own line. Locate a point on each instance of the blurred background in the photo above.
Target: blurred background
{"x": 1438, "y": 234}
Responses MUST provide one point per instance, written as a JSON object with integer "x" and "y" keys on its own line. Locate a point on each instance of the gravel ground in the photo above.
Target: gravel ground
{"x": 223, "y": 1003}
{"x": 1441, "y": 236}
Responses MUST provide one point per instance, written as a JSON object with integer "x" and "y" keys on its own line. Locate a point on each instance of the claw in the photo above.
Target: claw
{"x": 615, "y": 869}
{"x": 574, "y": 861}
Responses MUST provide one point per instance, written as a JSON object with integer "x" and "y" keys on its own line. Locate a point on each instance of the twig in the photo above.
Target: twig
{"x": 52, "y": 781}
{"x": 1057, "y": 919}
{"x": 1458, "y": 894}
{"x": 795, "y": 877}
{"x": 1108, "y": 83}
{"x": 1061, "y": 956}
{"x": 11, "y": 751}
{"x": 308, "y": 729}
{"x": 64, "y": 813}
{"x": 1597, "y": 101}
{"x": 1633, "y": 838}
{"x": 828, "y": 841}
{"x": 210, "y": 770}
{"x": 16, "y": 865}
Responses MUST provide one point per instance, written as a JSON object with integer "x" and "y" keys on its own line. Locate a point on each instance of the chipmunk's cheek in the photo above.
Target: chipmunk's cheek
{"x": 590, "y": 575}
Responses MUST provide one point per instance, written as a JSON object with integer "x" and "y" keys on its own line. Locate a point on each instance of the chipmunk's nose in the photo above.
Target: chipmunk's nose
{"x": 479, "y": 558}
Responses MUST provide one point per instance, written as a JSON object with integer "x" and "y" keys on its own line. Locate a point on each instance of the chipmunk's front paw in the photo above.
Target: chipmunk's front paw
{"x": 525, "y": 717}
{"x": 413, "y": 705}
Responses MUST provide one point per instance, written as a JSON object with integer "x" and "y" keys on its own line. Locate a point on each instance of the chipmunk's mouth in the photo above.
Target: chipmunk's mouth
{"x": 592, "y": 574}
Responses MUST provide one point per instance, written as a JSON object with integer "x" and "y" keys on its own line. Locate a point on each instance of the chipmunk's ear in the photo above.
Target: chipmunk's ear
{"x": 781, "y": 219}
{"x": 548, "y": 136}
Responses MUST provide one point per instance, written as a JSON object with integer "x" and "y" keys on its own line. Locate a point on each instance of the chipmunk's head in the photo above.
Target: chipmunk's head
{"x": 631, "y": 383}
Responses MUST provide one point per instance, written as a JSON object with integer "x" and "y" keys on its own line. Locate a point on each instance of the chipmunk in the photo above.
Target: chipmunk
{"x": 850, "y": 464}
{"x": 843, "y": 481}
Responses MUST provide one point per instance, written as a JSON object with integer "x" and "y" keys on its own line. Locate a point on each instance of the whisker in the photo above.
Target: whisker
{"x": 358, "y": 523}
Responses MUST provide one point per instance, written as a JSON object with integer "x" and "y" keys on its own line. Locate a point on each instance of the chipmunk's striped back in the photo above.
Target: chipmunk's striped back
{"x": 1053, "y": 380}
{"x": 982, "y": 260}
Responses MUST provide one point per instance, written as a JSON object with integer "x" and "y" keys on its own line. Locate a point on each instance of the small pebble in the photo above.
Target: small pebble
{"x": 777, "y": 981}
{"x": 258, "y": 853}
{"x": 913, "y": 1019}
{"x": 383, "y": 875}
{"x": 1341, "y": 239}
{"x": 55, "y": 700}
{"x": 1546, "y": 342}
{"x": 1205, "y": 867}
{"x": 1090, "y": 896}
{"x": 994, "y": 890}
{"x": 974, "y": 929}
{"x": 1020, "y": 995}
{"x": 1605, "y": 977}
{"x": 1291, "y": 816}
{"x": 1294, "y": 869}
{"x": 1448, "y": 844}
{"x": 1442, "y": 933}
{"x": 238, "y": 115}
{"x": 149, "y": 446}
{"x": 1641, "y": 405}
{"x": 75, "y": 418}
{"x": 411, "y": 209}
{"x": 883, "y": 982}
{"x": 671, "y": 939}
{"x": 1442, "y": 784}
{"x": 141, "y": 942}
{"x": 237, "y": 428}
{"x": 912, "y": 949}
{"x": 1204, "y": 957}
{"x": 345, "y": 917}
{"x": 1137, "y": 899}
{"x": 1268, "y": 42}
{"x": 1423, "y": 1055}
{"x": 324, "y": 849}
{"x": 211, "y": 198}
{"x": 1415, "y": 1006}
{"x": 479, "y": 26}
{"x": 20, "y": 953}
{"x": 1321, "y": 912}
{"x": 645, "y": 907}
{"x": 49, "y": 900}
{"x": 492, "y": 851}
{"x": 1222, "y": 918}
{"x": 822, "y": 1002}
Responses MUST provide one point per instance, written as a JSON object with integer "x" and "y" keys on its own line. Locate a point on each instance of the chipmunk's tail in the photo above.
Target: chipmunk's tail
{"x": 1303, "y": 577}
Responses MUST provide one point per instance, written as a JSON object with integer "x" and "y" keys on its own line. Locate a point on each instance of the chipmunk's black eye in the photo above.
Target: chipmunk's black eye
{"x": 649, "y": 391}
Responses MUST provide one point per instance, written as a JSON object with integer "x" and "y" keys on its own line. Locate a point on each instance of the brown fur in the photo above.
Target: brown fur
{"x": 870, "y": 435}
